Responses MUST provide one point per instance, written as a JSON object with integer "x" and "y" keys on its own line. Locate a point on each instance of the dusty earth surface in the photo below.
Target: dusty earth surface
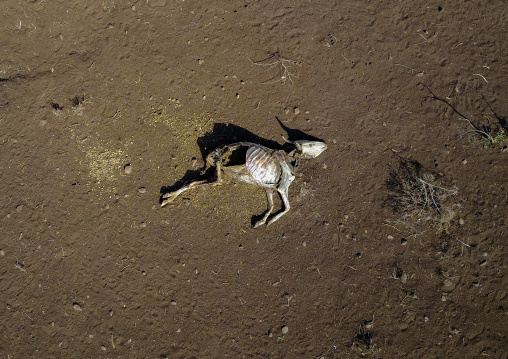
{"x": 395, "y": 245}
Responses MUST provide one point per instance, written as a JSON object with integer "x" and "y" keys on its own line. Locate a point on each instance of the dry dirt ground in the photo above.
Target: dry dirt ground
{"x": 395, "y": 246}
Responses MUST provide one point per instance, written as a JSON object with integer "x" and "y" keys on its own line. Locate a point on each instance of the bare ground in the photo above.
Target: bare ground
{"x": 104, "y": 103}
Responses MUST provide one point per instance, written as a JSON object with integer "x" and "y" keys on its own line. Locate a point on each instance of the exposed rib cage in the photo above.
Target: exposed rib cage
{"x": 264, "y": 168}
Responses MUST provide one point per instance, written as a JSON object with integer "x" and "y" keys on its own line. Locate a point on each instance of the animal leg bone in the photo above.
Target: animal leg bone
{"x": 284, "y": 195}
{"x": 170, "y": 196}
{"x": 269, "y": 197}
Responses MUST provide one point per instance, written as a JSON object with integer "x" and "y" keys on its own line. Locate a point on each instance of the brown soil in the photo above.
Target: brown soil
{"x": 103, "y": 103}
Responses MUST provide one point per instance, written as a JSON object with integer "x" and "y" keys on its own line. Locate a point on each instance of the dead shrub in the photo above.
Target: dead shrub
{"x": 418, "y": 196}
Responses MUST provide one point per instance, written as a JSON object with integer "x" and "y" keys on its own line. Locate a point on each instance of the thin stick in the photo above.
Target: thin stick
{"x": 481, "y": 77}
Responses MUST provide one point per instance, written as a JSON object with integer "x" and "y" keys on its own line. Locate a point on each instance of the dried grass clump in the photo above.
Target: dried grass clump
{"x": 418, "y": 196}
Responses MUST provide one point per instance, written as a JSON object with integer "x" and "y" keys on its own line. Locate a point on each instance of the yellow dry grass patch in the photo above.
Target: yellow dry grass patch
{"x": 104, "y": 164}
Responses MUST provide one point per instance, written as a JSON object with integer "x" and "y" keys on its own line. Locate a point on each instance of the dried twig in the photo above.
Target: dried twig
{"x": 286, "y": 67}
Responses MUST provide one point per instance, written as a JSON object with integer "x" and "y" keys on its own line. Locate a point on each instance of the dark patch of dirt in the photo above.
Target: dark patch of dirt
{"x": 102, "y": 104}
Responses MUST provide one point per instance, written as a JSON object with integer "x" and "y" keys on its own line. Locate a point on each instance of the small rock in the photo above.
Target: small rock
{"x": 142, "y": 190}
{"x": 404, "y": 278}
{"x": 464, "y": 161}
{"x": 461, "y": 221}
{"x": 403, "y": 241}
{"x": 501, "y": 295}
{"x": 475, "y": 332}
{"x": 403, "y": 327}
{"x": 390, "y": 237}
{"x": 2, "y": 253}
{"x": 449, "y": 285}
{"x": 19, "y": 208}
{"x": 296, "y": 110}
{"x": 285, "y": 329}
{"x": 77, "y": 307}
{"x": 127, "y": 169}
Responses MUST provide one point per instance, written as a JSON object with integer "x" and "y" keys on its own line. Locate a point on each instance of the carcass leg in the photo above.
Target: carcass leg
{"x": 285, "y": 199}
{"x": 269, "y": 197}
{"x": 170, "y": 196}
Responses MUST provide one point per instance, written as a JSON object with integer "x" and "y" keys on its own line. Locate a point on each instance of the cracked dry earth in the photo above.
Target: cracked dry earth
{"x": 105, "y": 103}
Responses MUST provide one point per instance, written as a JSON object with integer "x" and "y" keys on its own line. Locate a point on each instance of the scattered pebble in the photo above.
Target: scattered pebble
{"x": 403, "y": 241}
{"x": 296, "y": 110}
{"x": 425, "y": 318}
{"x": 127, "y": 169}
{"x": 461, "y": 221}
{"x": 449, "y": 285}
{"x": 19, "y": 208}
{"x": 77, "y": 307}
{"x": 285, "y": 329}
{"x": 142, "y": 190}
{"x": 173, "y": 302}
{"x": 390, "y": 237}
{"x": 2, "y": 253}
{"x": 200, "y": 61}
{"x": 103, "y": 347}
{"x": 111, "y": 312}
{"x": 464, "y": 161}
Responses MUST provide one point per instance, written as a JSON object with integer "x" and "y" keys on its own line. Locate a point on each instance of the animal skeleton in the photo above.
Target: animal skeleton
{"x": 274, "y": 170}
